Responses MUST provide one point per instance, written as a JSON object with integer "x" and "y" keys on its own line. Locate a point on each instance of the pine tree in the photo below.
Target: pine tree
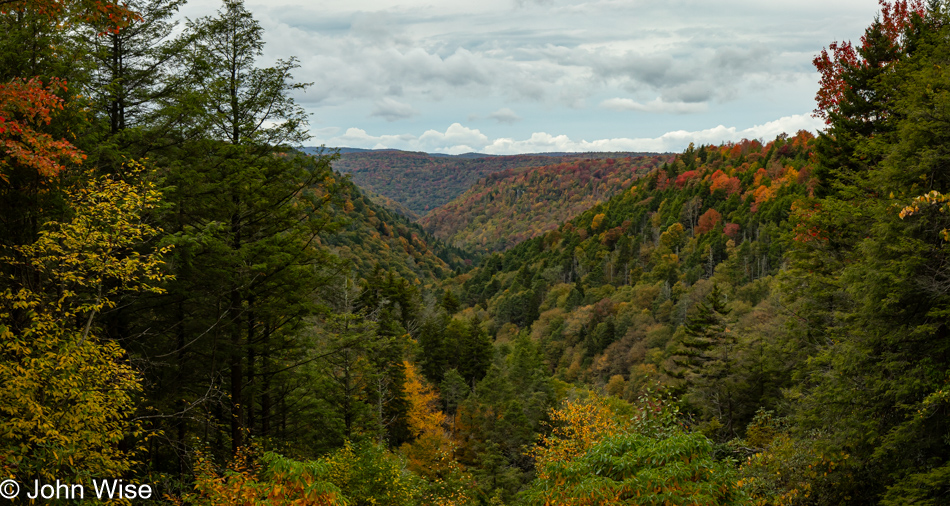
{"x": 705, "y": 359}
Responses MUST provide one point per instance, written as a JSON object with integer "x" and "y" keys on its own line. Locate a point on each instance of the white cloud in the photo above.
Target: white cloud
{"x": 685, "y": 53}
{"x": 325, "y": 132}
{"x": 459, "y": 139}
{"x": 455, "y": 139}
{"x": 565, "y": 65}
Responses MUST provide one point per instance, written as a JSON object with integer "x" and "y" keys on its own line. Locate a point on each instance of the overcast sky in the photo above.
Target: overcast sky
{"x": 518, "y": 76}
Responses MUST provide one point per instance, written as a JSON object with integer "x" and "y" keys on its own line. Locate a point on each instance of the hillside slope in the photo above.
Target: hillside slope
{"x": 608, "y": 294}
{"x": 507, "y": 207}
{"x": 422, "y": 182}
{"x": 373, "y": 234}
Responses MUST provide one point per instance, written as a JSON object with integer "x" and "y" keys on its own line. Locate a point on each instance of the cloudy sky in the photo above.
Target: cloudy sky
{"x": 518, "y": 76}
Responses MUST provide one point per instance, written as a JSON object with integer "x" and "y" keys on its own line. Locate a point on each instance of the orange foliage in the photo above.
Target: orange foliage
{"x": 111, "y": 16}
{"x": 424, "y": 415}
{"x": 25, "y": 105}
{"x": 287, "y": 483}
{"x": 761, "y": 194}
{"x": 430, "y": 453}
{"x": 720, "y": 180}
{"x": 708, "y": 221}
{"x": 597, "y": 221}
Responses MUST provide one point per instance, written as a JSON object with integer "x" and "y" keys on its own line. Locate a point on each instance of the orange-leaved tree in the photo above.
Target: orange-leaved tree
{"x": 25, "y": 106}
{"x": 270, "y": 478}
{"x": 27, "y": 103}
{"x": 431, "y": 453}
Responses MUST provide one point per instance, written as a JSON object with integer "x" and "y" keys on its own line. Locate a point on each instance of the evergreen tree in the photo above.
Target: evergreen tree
{"x": 474, "y": 352}
{"x": 866, "y": 282}
{"x": 705, "y": 357}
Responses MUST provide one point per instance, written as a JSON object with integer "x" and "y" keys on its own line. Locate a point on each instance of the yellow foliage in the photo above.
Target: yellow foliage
{"x": 66, "y": 395}
{"x": 429, "y": 454}
{"x": 787, "y": 471}
{"x": 791, "y": 176}
{"x": 424, "y": 415}
{"x": 577, "y": 426}
{"x": 762, "y": 194}
{"x": 597, "y": 221}
{"x": 616, "y": 385}
{"x": 930, "y": 199}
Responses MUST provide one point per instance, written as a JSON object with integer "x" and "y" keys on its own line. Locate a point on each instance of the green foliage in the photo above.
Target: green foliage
{"x": 372, "y": 235}
{"x": 269, "y": 478}
{"x": 645, "y": 458}
{"x": 777, "y": 287}
{"x": 367, "y": 474}
{"x": 874, "y": 327}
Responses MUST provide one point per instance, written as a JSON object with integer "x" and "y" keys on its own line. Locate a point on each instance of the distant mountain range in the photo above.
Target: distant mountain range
{"x": 467, "y": 156}
{"x": 422, "y": 182}
{"x": 507, "y": 207}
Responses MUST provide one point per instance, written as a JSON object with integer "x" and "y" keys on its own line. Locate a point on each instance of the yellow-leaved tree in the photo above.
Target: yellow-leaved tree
{"x": 430, "y": 454}
{"x": 604, "y": 451}
{"x": 66, "y": 395}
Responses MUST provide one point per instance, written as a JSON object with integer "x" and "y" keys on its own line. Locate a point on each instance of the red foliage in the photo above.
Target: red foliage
{"x": 708, "y": 221}
{"x": 806, "y": 230}
{"x": 683, "y": 178}
{"x": 895, "y": 17}
{"x": 110, "y": 16}
{"x": 611, "y": 236}
{"x": 25, "y": 105}
{"x": 731, "y": 230}
{"x": 803, "y": 175}
{"x": 736, "y": 151}
{"x": 802, "y": 138}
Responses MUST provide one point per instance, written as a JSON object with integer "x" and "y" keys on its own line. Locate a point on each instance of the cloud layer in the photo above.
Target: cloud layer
{"x": 621, "y": 71}
{"x": 457, "y": 139}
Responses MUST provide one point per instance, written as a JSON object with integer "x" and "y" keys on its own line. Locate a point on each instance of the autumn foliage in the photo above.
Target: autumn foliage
{"x": 26, "y": 106}
{"x": 65, "y": 393}
{"x": 603, "y": 451}
{"x": 708, "y": 221}
{"x": 843, "y": 56}
{"x": 251, "y": 479}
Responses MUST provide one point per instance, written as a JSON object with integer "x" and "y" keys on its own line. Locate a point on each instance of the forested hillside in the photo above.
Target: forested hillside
{"x": 188, "y": 302}
{"x": 507, "y": 207}
{"x": 389, "y": 203}
{"x": 423, "y": 182}
{"x": 615, "y": 298}
{"x": 372, "y": 235}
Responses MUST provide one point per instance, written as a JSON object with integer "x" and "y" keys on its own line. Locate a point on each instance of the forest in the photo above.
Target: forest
{"x": 189, "y": 300}
{"x": 507, "y": 207}
{"x": 422, "y": 182}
